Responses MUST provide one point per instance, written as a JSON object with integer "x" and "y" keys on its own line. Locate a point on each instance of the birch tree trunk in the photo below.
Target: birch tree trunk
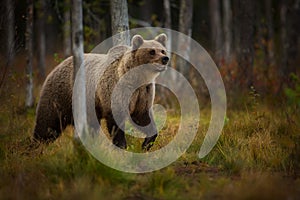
{"x": 119, "y": 22}
{"x": 185, "y": 26}
{"x": 227, "y": 27}
{"x": 67, "y": 29}
{"x": 29, "y": 53}
{"x": 78, "y": 60}
{"x": 214, "y": 7}
{"x": 41, "y": 38}
{"x": 77, "y": 35}
{"x": 168, "y": 25}
{"x": 163, "y": 95}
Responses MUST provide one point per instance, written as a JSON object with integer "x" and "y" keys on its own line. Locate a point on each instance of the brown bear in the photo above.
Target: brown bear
{"x": 54, "y": 110}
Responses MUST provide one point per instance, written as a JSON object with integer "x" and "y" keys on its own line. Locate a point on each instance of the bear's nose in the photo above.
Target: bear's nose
{"x": 165, "y": 60}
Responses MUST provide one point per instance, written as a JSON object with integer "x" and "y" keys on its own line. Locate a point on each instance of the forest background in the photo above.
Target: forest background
{"x": 255, "y": 45}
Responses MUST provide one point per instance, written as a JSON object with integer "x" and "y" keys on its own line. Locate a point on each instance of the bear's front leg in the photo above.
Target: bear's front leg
{"x": 117, "y": 133}
{"x": 148, "y": 142}
{"x": 144, "y": 124}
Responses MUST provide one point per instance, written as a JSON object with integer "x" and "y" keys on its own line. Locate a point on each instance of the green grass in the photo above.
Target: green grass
{"x": 256, "y": 157}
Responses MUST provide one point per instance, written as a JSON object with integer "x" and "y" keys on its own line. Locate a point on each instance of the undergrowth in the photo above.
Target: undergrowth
{"x": 257, "y": 156}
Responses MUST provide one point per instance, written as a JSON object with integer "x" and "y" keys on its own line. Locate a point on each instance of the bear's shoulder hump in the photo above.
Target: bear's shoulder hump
{"x": 117, "y": 52}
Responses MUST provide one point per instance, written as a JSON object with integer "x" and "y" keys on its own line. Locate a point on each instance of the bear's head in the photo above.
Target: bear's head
{"x": 150, "y": 52}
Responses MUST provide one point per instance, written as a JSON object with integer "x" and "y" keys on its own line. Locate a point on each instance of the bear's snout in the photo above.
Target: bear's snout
{"x": 165, "y": 60}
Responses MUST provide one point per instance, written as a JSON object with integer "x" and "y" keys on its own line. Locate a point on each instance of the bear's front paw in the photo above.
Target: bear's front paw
{"x": 120, "y": 141}
{"x": 148, "y": 142}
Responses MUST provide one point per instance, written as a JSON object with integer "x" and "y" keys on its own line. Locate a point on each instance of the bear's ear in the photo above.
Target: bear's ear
{"x": 137, "y": 41}
{"x": 161, "y": 38}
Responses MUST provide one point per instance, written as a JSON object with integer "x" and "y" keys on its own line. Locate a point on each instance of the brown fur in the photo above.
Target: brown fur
{"x": 54, "y": 111}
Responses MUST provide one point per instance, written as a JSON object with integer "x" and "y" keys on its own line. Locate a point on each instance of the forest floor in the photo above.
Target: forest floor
{"x": 256, "y": 157}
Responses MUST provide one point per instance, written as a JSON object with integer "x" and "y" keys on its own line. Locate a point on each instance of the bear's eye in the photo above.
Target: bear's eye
{"x": 163, "y": 52}
{"x": 152, "y": 52}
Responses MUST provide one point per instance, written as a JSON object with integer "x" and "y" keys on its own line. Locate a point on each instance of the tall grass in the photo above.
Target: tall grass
{"x": 257, "y": 156}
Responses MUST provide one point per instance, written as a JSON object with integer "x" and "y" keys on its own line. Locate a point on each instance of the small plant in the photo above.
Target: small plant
{"x": 293, "y": 93}
{"x": 57, "y": 58}
{"x": 254, "y": 96}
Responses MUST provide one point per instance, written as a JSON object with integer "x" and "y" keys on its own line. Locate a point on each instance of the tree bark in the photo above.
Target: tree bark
{"x": 167, "y": 10}
{"x": 185, "y": 27}
{"x": 77, "y": 35}
{"x": 9, "y": 39}
{"x": 216, "y": 28}
{"x": 293, "y": 29}
{"x": 67, "y": 29}
{"x": 10, "y": 34}
{"x": 270, "y": 60}
{"x": 283, "y": 42}
{"x": 227, "y": 27}
{"x": 289, "y": 30}
{"x": 78, "y": 60}
{"x": 29, "y": 53}
{"x": 186, "y": 17}
{"x": 119, "y": 22}
{"x": 245, "y": 16}
{"x": 41, "y": 7}
{"x": 168, "y": 25}
{"x": 236, "y": 29}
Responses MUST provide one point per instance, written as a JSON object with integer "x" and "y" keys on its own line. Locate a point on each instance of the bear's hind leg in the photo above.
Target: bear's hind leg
{"x": 119, "y": 139}
{"x": 47, "y": 131}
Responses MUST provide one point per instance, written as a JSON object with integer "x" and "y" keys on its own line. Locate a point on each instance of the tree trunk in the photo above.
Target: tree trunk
{"x": 227, "y": 26}
{"x": 160, "y": 90}
{"x": 283, "y": 42}
{"x": 77, "y": 35}
{"x": 216, "y": 28}
{"x": 119, "y": 22}
{"x": 245, "y": 16}
{"x": 186, "y": 17}
{"x": 78, "y": 60}
{"x": 9, "y": 39}
{"x": 270, "y": 60}
{"x": 289, "y": 30}
{"x": 10, "y": 34}
{"x": 29, "y": 52}
{"x": 67, "y": 29}
{"x": 185, "y": 27}
{"x": 167, "y": 10}
{"x": 293, "y": 28}
{"x": 41, "y": 8}
{"x": 236, "y": 29}
{"x": 168, "y": 25}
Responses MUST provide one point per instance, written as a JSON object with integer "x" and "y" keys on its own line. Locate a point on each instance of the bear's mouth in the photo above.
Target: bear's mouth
{"x": 160, "y": 68}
